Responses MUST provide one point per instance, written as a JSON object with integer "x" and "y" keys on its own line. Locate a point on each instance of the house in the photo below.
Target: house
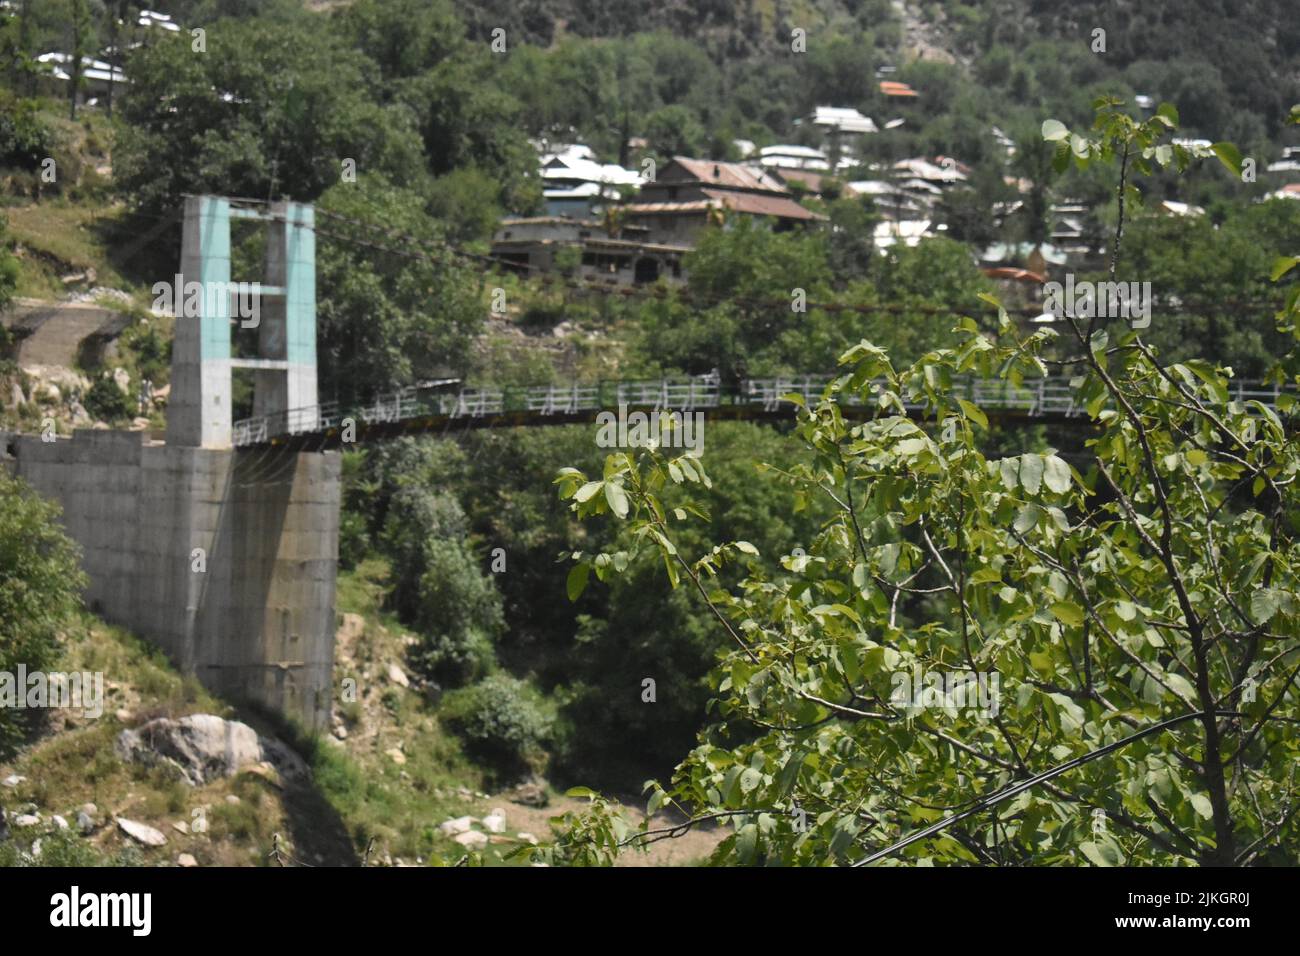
{"x": 842, "y": 120}
{"x": 896, "y": 90}
{"x": 786, "y": 156}
{"x": 575, "y": 184}
{"x": 149, "y": 18}
{"x": 908, "y": 232}
{"x": 803, "y": 180}
{"x": 624, "y": 258}
{"x": 1036, "y": 259}
{"x": 689, "y": 194}
{"x": 889, "y": 198}
{"x": 96, "y": 75}
{"x": 1170, "y": 207}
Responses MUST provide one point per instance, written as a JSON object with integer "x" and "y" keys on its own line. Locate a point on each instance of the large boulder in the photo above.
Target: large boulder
{"x": 141, "y": 832}
{"x": 205, "y": 747}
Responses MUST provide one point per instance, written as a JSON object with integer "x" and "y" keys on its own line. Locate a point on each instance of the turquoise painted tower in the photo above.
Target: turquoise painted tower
{"x": 282, "y": 308}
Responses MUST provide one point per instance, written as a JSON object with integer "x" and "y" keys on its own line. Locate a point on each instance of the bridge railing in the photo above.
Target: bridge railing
{"x": 1034, "y": 397}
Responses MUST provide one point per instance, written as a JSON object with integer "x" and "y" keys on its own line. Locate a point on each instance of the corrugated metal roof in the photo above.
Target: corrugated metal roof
{"x": 780, "y": 206}
{"x": 731, "y": 175}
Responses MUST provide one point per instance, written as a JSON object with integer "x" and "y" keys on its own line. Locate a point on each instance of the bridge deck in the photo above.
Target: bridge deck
{"x": 413, "y": 410}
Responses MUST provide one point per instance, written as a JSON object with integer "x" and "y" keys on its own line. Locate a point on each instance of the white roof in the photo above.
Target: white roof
{"x": 90, "y": 69}
{"x": 924, "y": 169}
{"x": 907, "y": 231}
{"x": 793, "y": 157}
{"x": 581, "y": 191}
{"x": 871, "y": 187}
{"x": 843, "y": 118}
{"x": 787, "y": 149}
{"x": 148, "y": 18}
{"x": 1181, "y": 208}
{"x": 746, "y": 147}
{"x": 571, "y": 165}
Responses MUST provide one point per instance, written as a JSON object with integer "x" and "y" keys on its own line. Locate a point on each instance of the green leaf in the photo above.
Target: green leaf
{"x": 1282, "y": 266}
{"x": 1031, "y": 473}
{"x": 1054, "y": 130}
{"x": 1067, "y": 613}
{"x": 1265, "y": 603}
{"x": 588, "y": 490}
{"x": 576, "y": 582}
{"x": 617, "y": 498}
{"x": 1056, "y": 474}
{"x": 1229, "y": 155}
{"x": 973, "y": 412}
{"x": 1201, "y": 804}
{"x": 1100, "y": 854}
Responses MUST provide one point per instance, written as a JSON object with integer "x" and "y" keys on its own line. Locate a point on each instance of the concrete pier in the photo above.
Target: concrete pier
{"x": 225, "y": 559}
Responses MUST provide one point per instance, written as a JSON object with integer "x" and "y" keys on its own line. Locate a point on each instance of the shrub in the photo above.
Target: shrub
{"x": 502, "y": 721}
{"x": 40, "y": 581}
{"x": 107, "y": 402}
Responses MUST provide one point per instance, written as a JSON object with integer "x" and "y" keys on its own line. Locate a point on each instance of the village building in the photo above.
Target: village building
{"x": 543, "y": 243}
{"x": 689, "y": 194}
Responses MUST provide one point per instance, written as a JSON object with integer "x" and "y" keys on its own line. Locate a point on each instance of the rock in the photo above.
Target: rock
{"x": 139, "y": 424}
{"x": 397, "y": 676}
{"x": 495, "y": 821}
{"x": 455, "y": 826}
{"x": 90, "y": 809}
{"x": 122, "y": 379}
{"x": 266, "y": 772}
{"x": 16, "y": 397}
{"x": 396, "y": 755}
{"x": 204, "y": 747}
{"x": 123, "y": 715}
{"x": 36, "y": 849}
{"x": 526, "y": 837}
{"x": 233, "y": 800}
{"x": 13, "y": 780}
{"x": 341, "y": 732}
{"x": 473, "y": 839}
{"x": 60, "y": 822}
{"x": 351, "y": 627}
{"x": 52, "y": 392}
{"x": 27, "y": 820}
{"x": 141, "y": 832}
{"x": 85, "y": 823}
{"x": 530, "y": 794}
{"x": 180, "y": 826}
{"x": 186, "y": 860}
{"x": 80, "y": 417}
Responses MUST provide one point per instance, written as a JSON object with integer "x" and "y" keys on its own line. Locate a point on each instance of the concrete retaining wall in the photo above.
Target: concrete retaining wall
{"x": 258, "y": 623}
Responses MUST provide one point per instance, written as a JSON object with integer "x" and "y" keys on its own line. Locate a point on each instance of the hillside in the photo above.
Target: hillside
{"x": 376, "y": 792}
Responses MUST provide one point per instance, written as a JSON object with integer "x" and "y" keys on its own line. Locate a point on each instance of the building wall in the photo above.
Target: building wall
{"x": 257, "y": 624}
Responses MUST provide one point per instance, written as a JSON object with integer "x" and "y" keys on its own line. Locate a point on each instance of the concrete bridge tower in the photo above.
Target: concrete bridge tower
{"x": 226, "y": 558}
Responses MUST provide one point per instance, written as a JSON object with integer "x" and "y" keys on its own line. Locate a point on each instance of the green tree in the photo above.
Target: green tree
{"x": 40, "y": 589}
{"x": 1132, "y": 625}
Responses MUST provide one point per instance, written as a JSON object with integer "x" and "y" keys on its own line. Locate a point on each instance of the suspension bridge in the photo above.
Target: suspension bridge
{"x": 416, "y": 410}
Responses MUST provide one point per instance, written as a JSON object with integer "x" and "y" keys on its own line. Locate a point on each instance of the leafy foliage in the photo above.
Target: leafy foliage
{"x": 501, "y": 720}
{"x": 1137, "y": 617}
{"x": 40, "y": 587}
